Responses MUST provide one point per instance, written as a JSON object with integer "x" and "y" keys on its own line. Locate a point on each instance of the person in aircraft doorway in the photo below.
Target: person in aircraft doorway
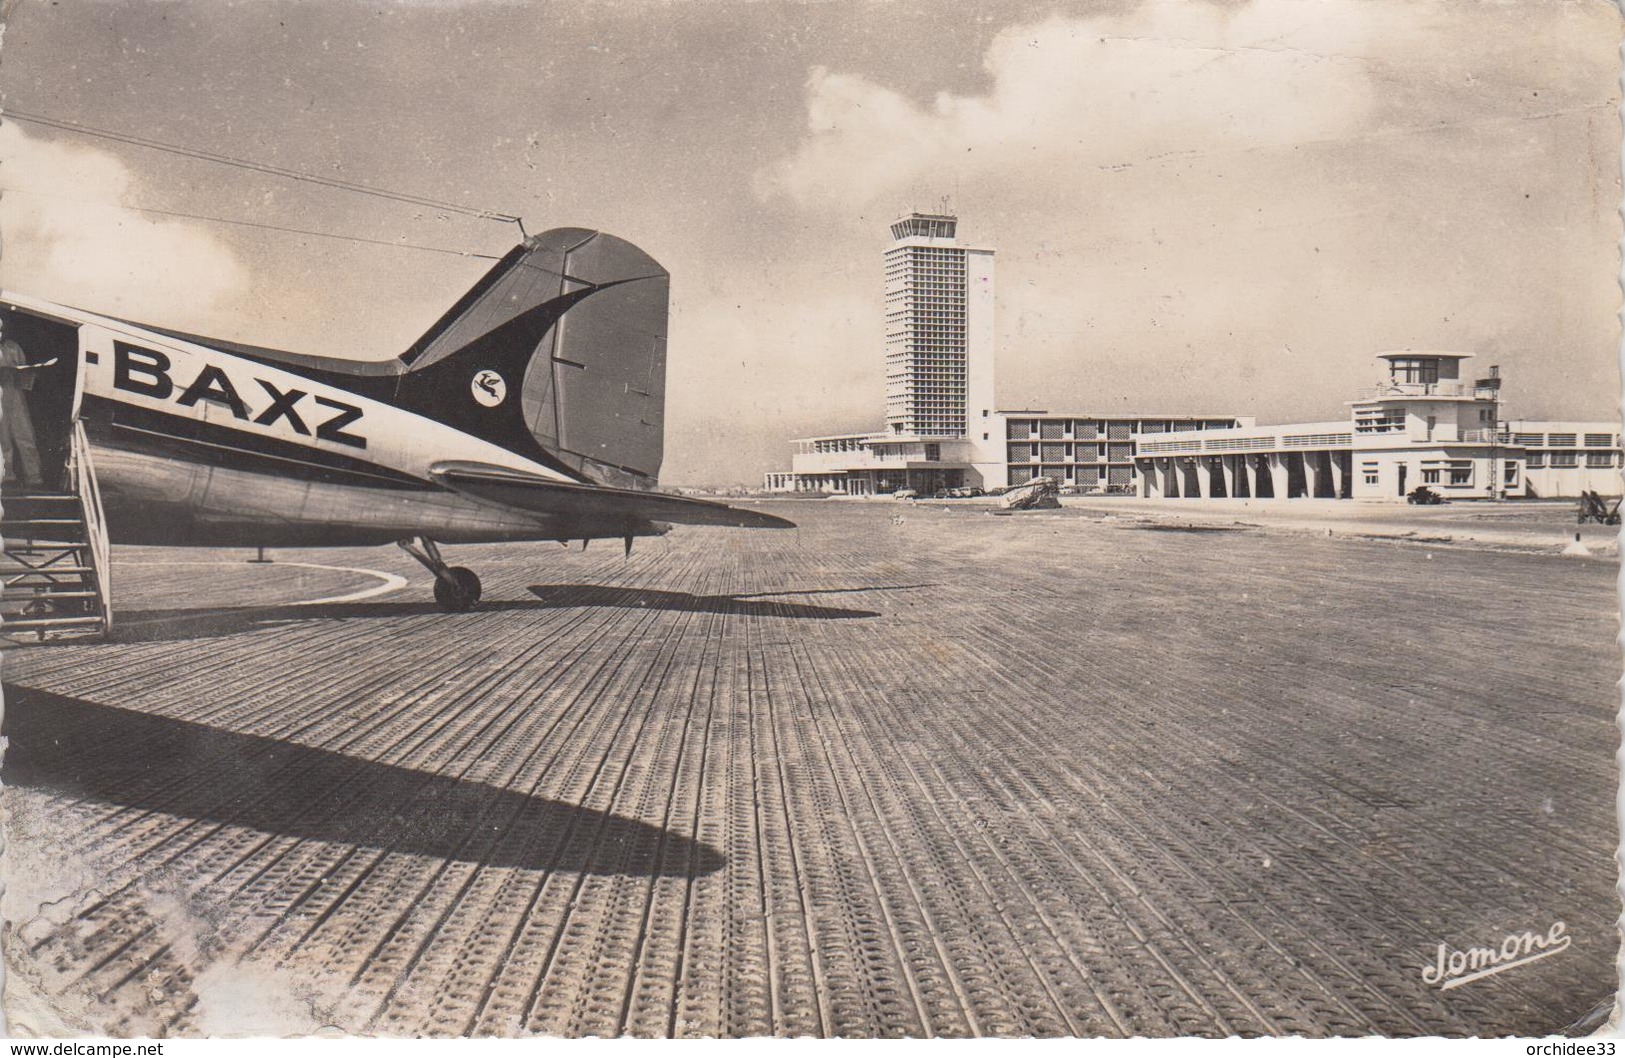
{"x": 18, "y": 446}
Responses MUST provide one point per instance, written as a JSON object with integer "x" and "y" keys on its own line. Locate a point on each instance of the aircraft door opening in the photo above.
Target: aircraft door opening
{"x": 40, "y": 390}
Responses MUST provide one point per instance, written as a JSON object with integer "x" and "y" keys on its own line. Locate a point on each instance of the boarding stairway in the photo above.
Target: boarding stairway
{"x": 54, "y": 560}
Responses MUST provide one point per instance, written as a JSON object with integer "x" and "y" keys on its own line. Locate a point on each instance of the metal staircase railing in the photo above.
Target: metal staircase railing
{"x": 89, "y": 492}
{"x": 54, "y": 558}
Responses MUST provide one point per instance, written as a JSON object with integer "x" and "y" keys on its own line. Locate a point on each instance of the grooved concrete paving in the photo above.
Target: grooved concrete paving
{"x": 950, "y": 775}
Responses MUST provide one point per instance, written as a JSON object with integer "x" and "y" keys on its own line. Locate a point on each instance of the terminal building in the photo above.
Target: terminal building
{"x": 943, "y": 426}
{"x": 1424, "y": 423}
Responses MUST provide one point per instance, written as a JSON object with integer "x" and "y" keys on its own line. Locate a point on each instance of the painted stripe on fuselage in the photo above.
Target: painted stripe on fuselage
{"x": 136, "y": 429}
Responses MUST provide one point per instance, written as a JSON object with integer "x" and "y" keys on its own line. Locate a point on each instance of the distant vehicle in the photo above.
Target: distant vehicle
{"x": 1036, "y": 494}
{"x": 964, "y": 492}
{"x": 905, "y": 494}
{"x": 1423, "y": 496}
{"x": 1593, "y": 508}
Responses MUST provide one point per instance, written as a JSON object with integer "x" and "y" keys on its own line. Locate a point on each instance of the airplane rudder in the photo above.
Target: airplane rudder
{"x": 599, "y": 399}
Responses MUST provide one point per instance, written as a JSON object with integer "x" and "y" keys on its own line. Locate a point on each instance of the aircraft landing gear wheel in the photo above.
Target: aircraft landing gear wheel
{"x": 456, "y": 588}
{"x": 460, "y": 593}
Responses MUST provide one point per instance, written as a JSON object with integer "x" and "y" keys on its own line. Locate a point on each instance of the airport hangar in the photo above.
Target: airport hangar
{"x": 1423, "y": 424}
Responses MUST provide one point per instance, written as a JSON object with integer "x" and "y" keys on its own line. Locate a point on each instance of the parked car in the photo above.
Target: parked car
{"x": 905, "y": 494}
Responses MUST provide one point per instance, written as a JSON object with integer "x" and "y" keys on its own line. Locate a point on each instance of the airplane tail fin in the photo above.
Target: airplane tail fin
{"x": 559, "y": 354}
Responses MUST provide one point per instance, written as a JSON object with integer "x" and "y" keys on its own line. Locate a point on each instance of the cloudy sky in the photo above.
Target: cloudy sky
{"x": 1197, "y": 207}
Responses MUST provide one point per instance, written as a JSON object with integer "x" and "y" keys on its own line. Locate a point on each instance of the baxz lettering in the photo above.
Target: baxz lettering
{"x": 148, "y": 373}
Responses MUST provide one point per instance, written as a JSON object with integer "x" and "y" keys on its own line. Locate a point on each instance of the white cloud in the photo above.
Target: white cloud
{"x": 1232, "y": 207}
{"x": 65, "y": 236}
{"x": 1168, "y": 78}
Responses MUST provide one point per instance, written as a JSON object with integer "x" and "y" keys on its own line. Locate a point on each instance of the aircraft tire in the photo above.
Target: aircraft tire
{"x": 463, "y": 596}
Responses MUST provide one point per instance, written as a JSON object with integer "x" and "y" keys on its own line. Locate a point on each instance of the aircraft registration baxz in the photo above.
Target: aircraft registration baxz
{"x": 532, "y": 410}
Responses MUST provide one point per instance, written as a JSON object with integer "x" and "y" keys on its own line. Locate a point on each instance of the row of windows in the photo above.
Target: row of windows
{"x": 1085, "y": 476}
{"x": 1538, "y": 460}
{"x": 1564, "y": 440}
{"x": 1455, "y": 473}
{"x": 1459, "y": 476}
{"x": 1387, "y": 420}
{"x": 1115, "y": 429}
{"x": 1414, "y": 371}
{"x": 1460, "y": 473}
{"x": 1057, "y": 453}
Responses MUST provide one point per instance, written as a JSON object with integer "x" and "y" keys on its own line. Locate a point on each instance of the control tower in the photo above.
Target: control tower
{"x": 939, "y": 329}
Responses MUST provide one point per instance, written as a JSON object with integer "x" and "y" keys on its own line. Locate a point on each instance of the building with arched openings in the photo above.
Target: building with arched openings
{"x": 1425, "y": 423}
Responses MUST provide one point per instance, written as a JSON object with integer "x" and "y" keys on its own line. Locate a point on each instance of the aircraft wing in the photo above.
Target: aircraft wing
{"x": 539, "y": 495}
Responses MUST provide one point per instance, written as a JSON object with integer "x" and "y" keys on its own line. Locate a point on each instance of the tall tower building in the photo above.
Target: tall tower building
{"x": 939, "y": 330}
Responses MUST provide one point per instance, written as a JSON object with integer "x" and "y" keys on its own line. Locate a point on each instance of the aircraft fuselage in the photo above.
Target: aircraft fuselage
{"x": 198, "y": 446}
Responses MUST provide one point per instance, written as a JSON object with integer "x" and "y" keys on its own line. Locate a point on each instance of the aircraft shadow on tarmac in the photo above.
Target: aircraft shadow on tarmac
{"x": 70, "y": 747}
{"x": 761, "y": 604}
{"x": 148, "y": 626}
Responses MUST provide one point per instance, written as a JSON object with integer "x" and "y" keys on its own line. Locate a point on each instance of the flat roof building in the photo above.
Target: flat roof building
{"x": 1423, "y": 425}
{"x": 943, "y": 427}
